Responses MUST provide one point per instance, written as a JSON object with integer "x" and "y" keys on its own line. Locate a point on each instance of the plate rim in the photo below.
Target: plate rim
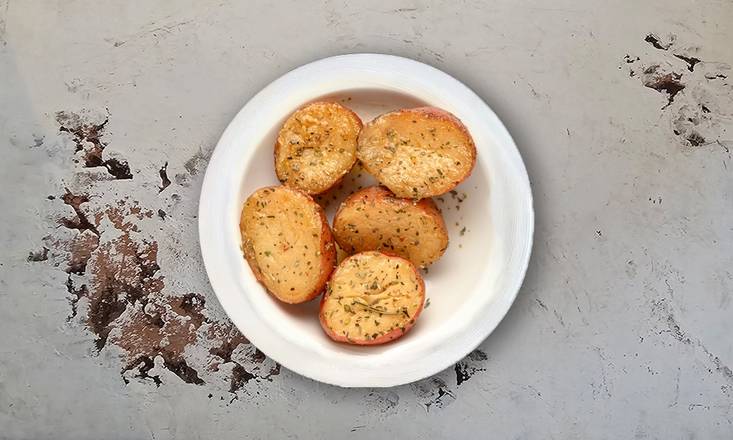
{"x": 408, "y": 376}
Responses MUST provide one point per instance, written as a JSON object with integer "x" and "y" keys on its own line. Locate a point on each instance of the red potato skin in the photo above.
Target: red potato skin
{"x": 328, "y": 252}
{"x": 387, "y": 337}
{"x": 339, "y": 180}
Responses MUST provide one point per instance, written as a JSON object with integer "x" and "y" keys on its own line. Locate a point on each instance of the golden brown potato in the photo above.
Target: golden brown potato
{"x": 372, "y": 298}
{"x": 417, "y": 153}
{"x": 287, "y": 243}
{"x": 316, "y": 146}
{"x": 374, "y": 219}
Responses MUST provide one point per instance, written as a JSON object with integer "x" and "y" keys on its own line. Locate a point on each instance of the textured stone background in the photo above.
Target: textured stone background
{"x": 622, "y": 112}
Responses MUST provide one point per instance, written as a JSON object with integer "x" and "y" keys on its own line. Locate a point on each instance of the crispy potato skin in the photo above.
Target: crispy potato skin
{"x": 287, "y": 243}
{"x": 375, "y": 219}
{"x": 316, "y": 146}
{"x": 417, "y": 153}
{"x": 387, "y": 326}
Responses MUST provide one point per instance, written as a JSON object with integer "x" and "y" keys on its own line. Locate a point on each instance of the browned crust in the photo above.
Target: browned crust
{"x": 278, "y": 146}
{"x": 378, "y": 193}
{"x": 387, "y": 337}
{"x": 327, "y": 248}
{"x": 444, "y": 115}
{"x": 328, "y": 254}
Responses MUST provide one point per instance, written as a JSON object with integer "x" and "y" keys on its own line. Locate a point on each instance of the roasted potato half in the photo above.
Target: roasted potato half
{"x": 287, "y": 243}
{"x": 316, "y": 146}
{"x": 375, "y": 219}
{"x": 372, "y": 298}
{"x": 418, "y": 152}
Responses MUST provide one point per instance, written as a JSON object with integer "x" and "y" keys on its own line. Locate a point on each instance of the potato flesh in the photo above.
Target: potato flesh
{"x": 282, "y": 231}
{"x": 372, "y": 294}
{"x": 317, "y": 146}
{"x": 376, "y": 220}
{"x": 415, "y": 155}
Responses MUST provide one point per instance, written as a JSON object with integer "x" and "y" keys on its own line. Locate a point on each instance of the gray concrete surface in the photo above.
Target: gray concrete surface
{"x": 623, "y": 326}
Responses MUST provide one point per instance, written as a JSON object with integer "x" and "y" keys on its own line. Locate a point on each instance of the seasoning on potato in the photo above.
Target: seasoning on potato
{"x": 417, "y": 153}
{"x": 375, "y": 219}
{"x": 372, "y": 298}
{"x": 316, "y": 146}
{"x": 287, "y": 243}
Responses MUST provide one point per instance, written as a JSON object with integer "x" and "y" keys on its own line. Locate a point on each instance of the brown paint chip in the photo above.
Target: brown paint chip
{"x": 87, "y": 136}
{"x": 240, "y": 377}
{"x": 700, "y": 108}
{"x": 164, "y": 180}
{"x": 470, "y": 365}
{"x": 691, "y": 61}
{"x": 228, "y": 344}
{"x": 122, "y": 273}
{"x": 656, "y": 43}
{"x": 180, "y": 367}
{"x": 127, "y": 307}
{"x": 81, "y": 223}
{"x": 143, "y": 364}
{"x": 118, "y": 168}
{"x": 81, "y": 250}
{"x": 114, "y": 281}
{"x": 668, "y": 83}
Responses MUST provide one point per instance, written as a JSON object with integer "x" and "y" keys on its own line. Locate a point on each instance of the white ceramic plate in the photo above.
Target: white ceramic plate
{"x": 470, "y": 289}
